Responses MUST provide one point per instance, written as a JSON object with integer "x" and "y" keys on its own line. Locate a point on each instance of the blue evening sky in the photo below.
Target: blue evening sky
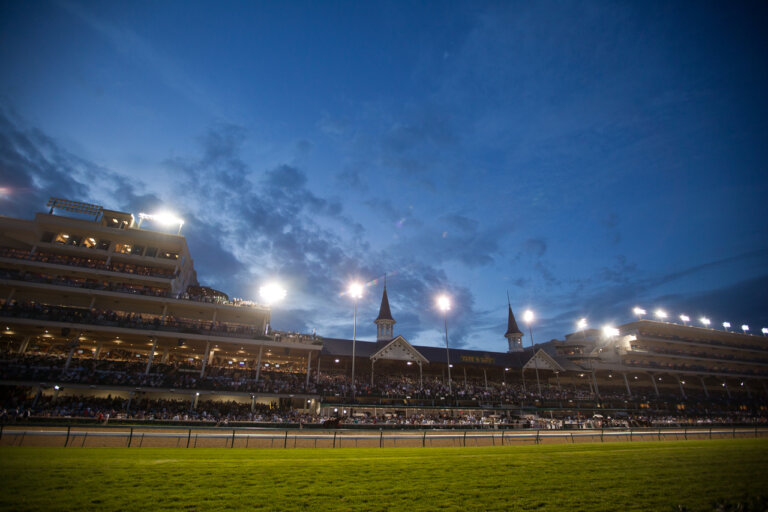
{"x": 586, "y": 157}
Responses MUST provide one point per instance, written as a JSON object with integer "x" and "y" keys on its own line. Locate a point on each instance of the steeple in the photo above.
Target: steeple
{"x": 384, "y": 322}
{"x": 514, "y": 335}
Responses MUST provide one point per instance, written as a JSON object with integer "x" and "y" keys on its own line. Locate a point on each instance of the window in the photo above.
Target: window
{"x": 138, "y": 250}
{"x": 47, "y": 237}
{"x": 123, "y": 248}
{"x": 169, "y": 255}
{"x": 103, "y": 244}
{"x": 151, "y": 252}
{"x": 75, "y": 240}
{"x": 89, "y": 242}
{"x": 62, "y": 238}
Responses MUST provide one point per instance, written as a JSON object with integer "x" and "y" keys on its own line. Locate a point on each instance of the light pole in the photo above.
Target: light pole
{"x": 726, "y": 326}
{"x": 444, "y": 303}
{"x": 660, "y": 314}
{"x": 528, "y": 317}
{"x": 639, "y": 312}
{"x": 765, "y": 331}
{"x": 582, "y": 326}
{"x": 745, "y": 328}
{"x": 705, "y": 321}
{"x": 355, "y": 291}
{"x": 685, "y": 319}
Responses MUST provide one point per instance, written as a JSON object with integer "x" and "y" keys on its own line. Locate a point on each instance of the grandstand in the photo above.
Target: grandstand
{"x": 104, "y": 316}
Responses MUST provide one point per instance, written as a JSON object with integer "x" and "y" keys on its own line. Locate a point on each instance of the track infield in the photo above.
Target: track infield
{"x": 615, "y": 476}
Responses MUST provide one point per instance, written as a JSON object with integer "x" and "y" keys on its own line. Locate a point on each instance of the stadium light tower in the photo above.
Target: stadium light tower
{"x": 726, "y": 326}
{"x": 355, "y": 291}
{"x": 660, "y": 314}
{"x": 639, "y": 312}
{"x": 610, "y": 331}
{"x": 745, "y": 328}
{"x": 765, "y": 331}
{"x": 582, "y": 326}
{"x": 705, "y": 321}
{"x": 271, "y": 294}
{"x": 528, "y": 318}
{"x": 685, "y": 319}
{"x": 444, "y": 304}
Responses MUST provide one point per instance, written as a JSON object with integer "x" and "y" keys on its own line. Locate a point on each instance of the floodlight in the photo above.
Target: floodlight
{"x": 355, "y": 290}
{"x": 528, "y": 316}
{"x": 660, "y": 313}
{"x": 272, "y": 293}
{"x": 705, "y": 321}
{"x": 444, "y": 303}
{"x": 610, "y": 331}
{"x": 582, "y": 324}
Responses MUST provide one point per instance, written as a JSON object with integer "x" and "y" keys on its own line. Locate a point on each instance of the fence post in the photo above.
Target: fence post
{"x": 630, "y": 435}
{"x": 66, "y": 441}
{"x": 189, "y": 437}
{"x": 659, "y": 433}
{"x": 685, "y": 433}
{"x": 381, "y": 438}
{"x": 130, "y": 437}
{"x": 538, "y": 432}
{"x": 1, "y": 431}
{"x": 602, "y": 432}
{"x": 734, "y": 432}
{"x": 334, "y": 439}
{"x": 465, "y": 438}
{"x": 285, "y": 440}
{"x": 710, "y": 432}
{"x": 502, "y": 437}
{"x": 424, "y": 438}
{"x": 233, "y": 438}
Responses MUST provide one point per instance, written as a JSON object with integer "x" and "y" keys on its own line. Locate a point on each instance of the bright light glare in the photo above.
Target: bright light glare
{"x": 660, "y": 313}
{"x": 765, "y": 330}
{"x": 685, "y": 318}
{"x": 272, "y": 293}
{"x": 528, "y": 316}
{"x": 727, "y": 325}
{"x": 638, "y": 311}
{"x": 610, "y": 331}
{"x": 582, "y": 324}
{"x": 355, "y": 290}
{"x": 704, "y": 320}
{"x": 444, "y": 303}
{"x": 165, "y": 218}
{"x": 745, "y": 327}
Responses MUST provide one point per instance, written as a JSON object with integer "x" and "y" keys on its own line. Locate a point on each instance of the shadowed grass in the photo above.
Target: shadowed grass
{"x": 614, "y": 476}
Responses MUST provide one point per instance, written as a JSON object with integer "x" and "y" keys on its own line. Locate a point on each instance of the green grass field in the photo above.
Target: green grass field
{"x": 610, "y": 477}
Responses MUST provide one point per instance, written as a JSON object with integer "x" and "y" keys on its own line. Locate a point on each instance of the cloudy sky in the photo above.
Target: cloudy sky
{"x": 584, "y": 157}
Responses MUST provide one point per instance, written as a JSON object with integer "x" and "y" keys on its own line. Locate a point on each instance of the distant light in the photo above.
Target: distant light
{"x": 705, "y": 321}
{"x": 56, "y": 387}
{"x": 355, "y": 290}
{"x": 685, "y": 318}
{"x": 745, "y": 328}
{"x": 197, "y": 393}
{"x": 450, "y": 366}
{"x": 726, "y": 325}
{"x": 272, "y": 293}
{"x": 443, "y": 303}
{"x": 335, "y": 410}
{"x": 610, "y": 331}
{"x": 660, "y": 313}
{"x": 765, "y": 331}
{"x": 639, "y": 311}
{"x": 581, "y": 324}
{"x": 528, "y": 316}
{"x": 335, "y": 360}
{"x": 409, "y": 363}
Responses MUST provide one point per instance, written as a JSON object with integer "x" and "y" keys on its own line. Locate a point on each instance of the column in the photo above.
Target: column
{"x": 465, "y": 376}
{"x": 594, "y": 381}
{"x": 194, "y": 402}
{"x": 653, "y": 381}
{"x": 727, "y": 391}
{"x": 317, "y": 376}
{"x": 166, "y": 355}
{"x": 372, "y": 363}
{"x": 626, "y": 383}
{"x": 704, "y": 386}
{"x": 309, "y": 366}
{"x": 485, "y": 377}
{"x": 10, "y": 296}
{"x": 258, "y": 363}
{"x": 522, "y": 372}
{"x": 253, "y": 403}
{"x": 151, "y": 356}
{"x": 69, "y": 357}
{"x": 24, "y": 344}
{"x": 421, "y": 381}
{"x": 97, "y": 352}
{"x": 205, "y": 358}
{"x": 557, "y": 376}
{"x": 92, "y": 303}
{"x": 682, "y": 391}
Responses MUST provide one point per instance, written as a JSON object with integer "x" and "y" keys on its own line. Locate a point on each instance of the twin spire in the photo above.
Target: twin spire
{"x": 384, "y": 322}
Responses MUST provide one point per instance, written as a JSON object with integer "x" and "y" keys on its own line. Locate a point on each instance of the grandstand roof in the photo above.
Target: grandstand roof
{"x": 343, "y": 348}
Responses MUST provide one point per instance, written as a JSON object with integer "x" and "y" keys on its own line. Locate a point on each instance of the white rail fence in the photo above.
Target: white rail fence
{"x": 230, "y": 438}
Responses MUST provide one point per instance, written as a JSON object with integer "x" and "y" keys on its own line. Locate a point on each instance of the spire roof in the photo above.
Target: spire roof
{"x": 512, "y": 327}
{"x": 384, "y": 312}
